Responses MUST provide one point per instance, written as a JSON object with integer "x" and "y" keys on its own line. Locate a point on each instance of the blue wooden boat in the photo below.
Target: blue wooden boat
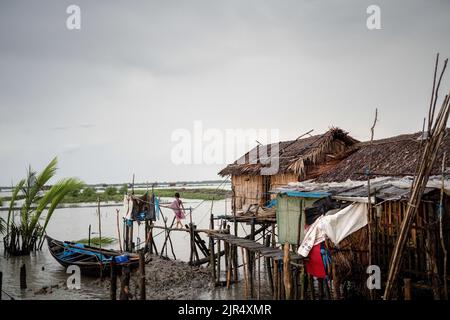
{"x": 91, "y": 260}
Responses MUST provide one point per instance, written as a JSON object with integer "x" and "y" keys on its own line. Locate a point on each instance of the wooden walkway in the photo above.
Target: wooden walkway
{"x": 267, "y": 252}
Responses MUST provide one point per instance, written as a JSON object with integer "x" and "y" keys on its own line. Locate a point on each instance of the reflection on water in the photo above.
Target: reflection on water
{"x": 73, "y": 224}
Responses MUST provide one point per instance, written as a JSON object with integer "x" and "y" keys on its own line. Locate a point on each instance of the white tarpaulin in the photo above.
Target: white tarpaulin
{"x": 127, "y": 207}
{"x": 344, "y": 222}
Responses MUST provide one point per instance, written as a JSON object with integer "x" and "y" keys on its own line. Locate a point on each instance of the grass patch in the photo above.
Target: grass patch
{"x": 96, "y": 241}
{"x": 200, "y": 193}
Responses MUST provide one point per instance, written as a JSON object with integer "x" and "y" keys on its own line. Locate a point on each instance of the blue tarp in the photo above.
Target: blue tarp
{"x": 304, "y": 194}
{"x": 70, "y": 251}
{"x": 272, "y": 203}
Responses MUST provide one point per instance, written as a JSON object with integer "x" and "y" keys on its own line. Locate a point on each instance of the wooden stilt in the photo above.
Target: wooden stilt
{"x": 218, "y": 261}
{"x": 113, "y": 285}
{"x": 287, "y": 272}
{"x": 212, "y": 258}
{"x": 125, "y": 284}
{"x": 250, "y": 270}
{"x": 268, "y": 265}
{"x": 336, "y": 283}
{"x": 320, "y": 285}
{"x": 229, "y": 259}
{"x": 311, "y": 286}
{"x": 235, "y": 265}
{"x": 23, "y": 277}
{"x": 227, "y": 252}
{"x": 244, "y": 268}
{"x": 259, "y": 276}
{"x": 141, "y": 275}
{"x": 275, "y": 280}
{"x": 407, "y": 289}
{"x": 281, "y": 292}
{"x": 303, "y": 284}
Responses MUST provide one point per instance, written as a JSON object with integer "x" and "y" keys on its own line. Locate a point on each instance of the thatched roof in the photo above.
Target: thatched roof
{"x": 294, "y": 155}
{"x": 396, "y": 157}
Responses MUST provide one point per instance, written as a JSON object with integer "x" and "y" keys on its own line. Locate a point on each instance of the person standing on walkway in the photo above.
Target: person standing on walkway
{"x": 178, "y": 209}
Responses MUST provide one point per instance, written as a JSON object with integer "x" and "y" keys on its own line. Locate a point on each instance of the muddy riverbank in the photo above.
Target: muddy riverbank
{"x": 167, "y": 280}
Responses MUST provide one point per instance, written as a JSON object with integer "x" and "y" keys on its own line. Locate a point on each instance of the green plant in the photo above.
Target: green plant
{"x": 89, "y": 192}
{"x": 27, "y": 235}
{"x": 75, "y": 193}
{"x": 123, "y": 189}
{"x": 2, "y": 226}
{"x": 111, "y": 191}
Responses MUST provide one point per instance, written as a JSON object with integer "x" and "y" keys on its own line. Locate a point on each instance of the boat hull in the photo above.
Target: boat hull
{"x": 92, "y": 261}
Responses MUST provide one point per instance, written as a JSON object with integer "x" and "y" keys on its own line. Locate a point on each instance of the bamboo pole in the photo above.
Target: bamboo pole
{"x": 118, "y": 229}
{"x": 89, "y": 236}
{"x": 99, "y": 223}
{"x": 441, "y": 233}
{"x": 428, "y": 158}
{"x": 369, "y": 202}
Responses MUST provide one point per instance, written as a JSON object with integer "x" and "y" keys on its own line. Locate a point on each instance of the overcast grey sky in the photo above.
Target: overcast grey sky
{"x": 105, "y": 99}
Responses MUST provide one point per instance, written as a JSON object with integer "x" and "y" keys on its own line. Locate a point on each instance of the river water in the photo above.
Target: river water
{"x": 73, "y": 224}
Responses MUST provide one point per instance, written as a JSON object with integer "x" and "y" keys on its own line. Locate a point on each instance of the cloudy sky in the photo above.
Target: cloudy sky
{"x": 107, "y": 98}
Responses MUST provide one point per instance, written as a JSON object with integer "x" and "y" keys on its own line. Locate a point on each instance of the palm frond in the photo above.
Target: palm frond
{"x": 62, "y": 188}
{"x": 12, "y": 202}
{"x": 42, "y": 178}
{"x": 36, "y": 183}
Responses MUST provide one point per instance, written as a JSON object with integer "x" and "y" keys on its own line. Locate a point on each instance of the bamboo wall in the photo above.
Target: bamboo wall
{"x": 423, "y": 257}
{"x": 247, "y": 190}
{"x": 423, "y": 253}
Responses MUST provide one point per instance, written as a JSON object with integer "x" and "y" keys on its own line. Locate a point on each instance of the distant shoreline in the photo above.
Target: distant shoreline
{"x": 114, "y": 200}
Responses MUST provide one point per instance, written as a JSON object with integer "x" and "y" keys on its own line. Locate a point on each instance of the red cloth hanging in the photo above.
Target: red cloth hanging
{"x": 314, "y": 266}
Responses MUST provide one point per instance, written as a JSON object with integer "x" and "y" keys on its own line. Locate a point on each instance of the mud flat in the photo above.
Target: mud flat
{"x": 168, "y": 280}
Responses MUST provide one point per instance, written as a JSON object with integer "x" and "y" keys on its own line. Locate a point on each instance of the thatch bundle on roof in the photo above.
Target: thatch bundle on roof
{"x": 396, "y": 156}
{"x": 297, "y": 160}
{"x": 294, "y": 155}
